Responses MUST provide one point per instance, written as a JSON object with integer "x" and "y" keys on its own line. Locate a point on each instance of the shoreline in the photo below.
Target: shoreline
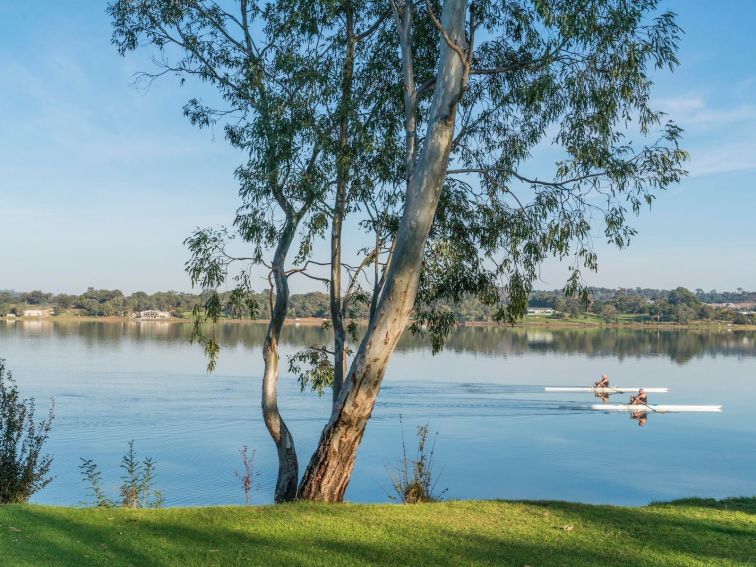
{"x": 534, "y": 322}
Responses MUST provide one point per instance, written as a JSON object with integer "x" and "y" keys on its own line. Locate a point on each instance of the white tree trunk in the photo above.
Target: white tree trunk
{"x": 288, "y": 468}
{"x": 331, "y": 465}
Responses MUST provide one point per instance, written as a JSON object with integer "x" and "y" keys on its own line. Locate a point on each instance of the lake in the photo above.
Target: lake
{"x": 499, "y": 434}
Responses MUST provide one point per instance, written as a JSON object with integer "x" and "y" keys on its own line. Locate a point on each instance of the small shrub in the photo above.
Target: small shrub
{"x": 413, "y": 480}
{"x": 93, "y": 477}
{"x": 136, "y": 483}
{"x": 23, "y": 468}
{"x": 741, "y": 319}
{"x": 249, "y": 475}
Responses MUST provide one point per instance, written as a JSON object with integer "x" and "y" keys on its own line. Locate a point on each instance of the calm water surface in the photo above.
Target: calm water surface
{"x": 499, "y": 435}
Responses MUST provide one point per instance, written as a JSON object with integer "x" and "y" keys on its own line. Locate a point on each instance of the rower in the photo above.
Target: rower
{"x": 603, "y": 383}
{"x": 641, "y": 399}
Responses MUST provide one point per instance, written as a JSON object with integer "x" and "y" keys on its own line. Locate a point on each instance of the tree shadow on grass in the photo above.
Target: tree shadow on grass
{"x": 157, "y": 543}
{"x": 45, "y": 538}
{"x": 665, "y": 529}
{"x": 310, "y": 534}
{"x": 742, "y": 504}
{"x": 652, "y": 538}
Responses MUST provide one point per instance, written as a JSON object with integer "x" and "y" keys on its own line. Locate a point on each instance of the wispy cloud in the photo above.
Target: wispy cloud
{"x": 721, "y": 138}
{"x": 694, "y": 110}
{"x": 729, "y": 158}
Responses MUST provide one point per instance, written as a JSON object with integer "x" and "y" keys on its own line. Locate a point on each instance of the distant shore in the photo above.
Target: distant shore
{"x": 584, "y": 322}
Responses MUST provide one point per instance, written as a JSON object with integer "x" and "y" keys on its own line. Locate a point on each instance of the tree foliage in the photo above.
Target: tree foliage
{"x": 629, "y": 301}
{"x": 341, "y": 116}
{"x": 571, "y": 77}
{"x": 574, "y": 78}
{"x": 314, "y": 368}
{"x": 23, "y": 467}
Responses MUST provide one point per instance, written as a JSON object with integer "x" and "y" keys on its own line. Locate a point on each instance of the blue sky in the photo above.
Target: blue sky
{"x": 101, "y": 182}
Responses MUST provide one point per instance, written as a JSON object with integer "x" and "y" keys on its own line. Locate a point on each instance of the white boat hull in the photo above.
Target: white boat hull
{"x": 654, "y": 408}
{"x": 611, "y": 390}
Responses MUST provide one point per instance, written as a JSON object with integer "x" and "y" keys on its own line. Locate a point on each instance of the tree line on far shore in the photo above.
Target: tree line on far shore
{"x": 659, "y": 305}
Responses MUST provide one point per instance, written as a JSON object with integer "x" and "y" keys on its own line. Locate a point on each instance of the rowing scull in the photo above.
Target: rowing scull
{"x": 653, "y": 408}
{"x": 610, "y": 390}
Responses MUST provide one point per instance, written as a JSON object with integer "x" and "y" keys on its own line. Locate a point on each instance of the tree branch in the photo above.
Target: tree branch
{"x": 449, "y": 41}
{"x": 372, "y": 29}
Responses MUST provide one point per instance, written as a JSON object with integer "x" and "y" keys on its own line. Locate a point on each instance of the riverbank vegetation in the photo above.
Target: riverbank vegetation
{"x": 636, "y": 305}
{"x": 136, "y": 490}
{"x": 690, "y": 532}
{"x": 23, "y": 466}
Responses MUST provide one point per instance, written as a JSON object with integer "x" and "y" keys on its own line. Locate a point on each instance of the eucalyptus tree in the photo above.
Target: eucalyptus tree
{"x": 484, "y": 93}
{"x": 366, "y": 152}
{"x": 512, "y": 77}
{"x": 303, "y": 92}
{"x": 271, "y": 95}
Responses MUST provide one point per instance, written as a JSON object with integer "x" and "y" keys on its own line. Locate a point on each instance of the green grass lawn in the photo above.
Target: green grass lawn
{"x": 691, "y": 532}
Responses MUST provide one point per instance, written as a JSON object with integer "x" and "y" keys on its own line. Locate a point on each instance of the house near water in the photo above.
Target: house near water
{"x": 152, "y": 315}
{"x": 38, "y": 312}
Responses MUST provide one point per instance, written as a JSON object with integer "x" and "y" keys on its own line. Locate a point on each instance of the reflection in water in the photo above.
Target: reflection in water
{"x": 500, "y": 435}
{"x": 603, "y": 396}
{"x": 640, "y": 416}
{"x": 678, "y": 345}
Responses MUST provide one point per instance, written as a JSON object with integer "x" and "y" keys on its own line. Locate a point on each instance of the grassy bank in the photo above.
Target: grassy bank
{"x": 691, "y": 532}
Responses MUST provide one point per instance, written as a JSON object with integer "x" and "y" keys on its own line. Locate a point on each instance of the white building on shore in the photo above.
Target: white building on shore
{"x": 153, "y": 315}
{"x": 543, "y": 311}
{"x": 38, "y": 312}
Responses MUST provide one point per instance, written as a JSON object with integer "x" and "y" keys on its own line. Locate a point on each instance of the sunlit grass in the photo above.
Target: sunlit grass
{"x": 691, "y": 532}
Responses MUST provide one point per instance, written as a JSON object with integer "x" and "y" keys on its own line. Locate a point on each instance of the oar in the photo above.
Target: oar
{"x": 646, "y": 405}
{"x": 616, "y": 391}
